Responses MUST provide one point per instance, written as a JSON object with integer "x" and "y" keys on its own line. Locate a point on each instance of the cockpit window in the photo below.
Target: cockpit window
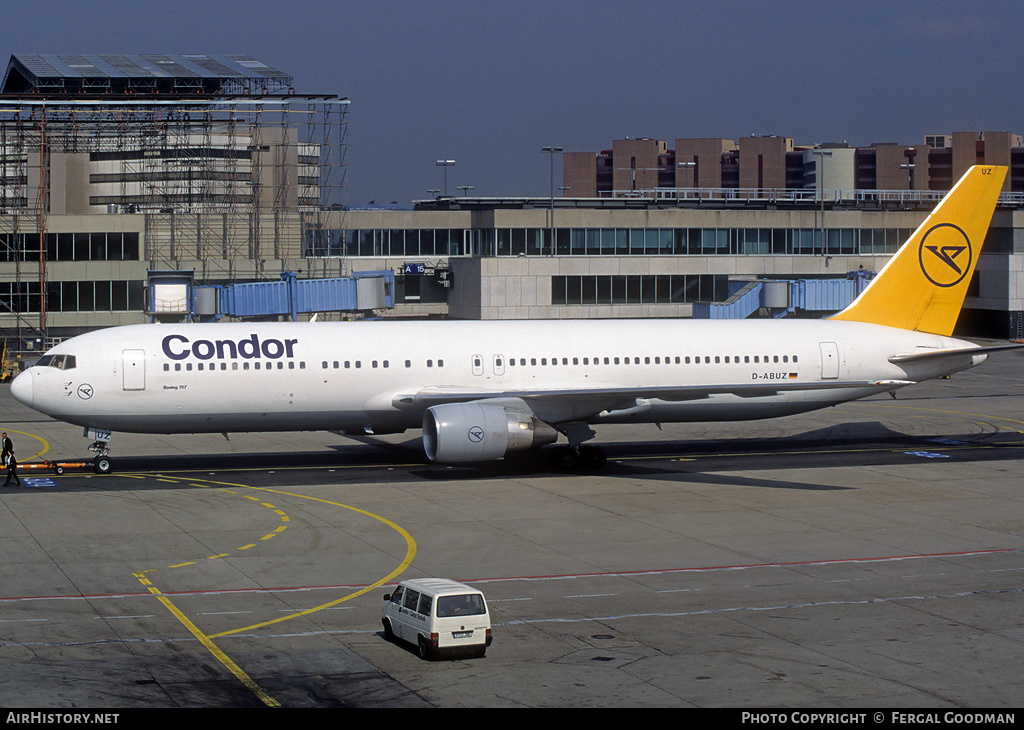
{"x": 61, "y": 362}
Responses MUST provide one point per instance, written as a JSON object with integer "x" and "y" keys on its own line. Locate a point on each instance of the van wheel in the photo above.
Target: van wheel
{"x": 424, "y": 648}
{"x": 389, "y": 634}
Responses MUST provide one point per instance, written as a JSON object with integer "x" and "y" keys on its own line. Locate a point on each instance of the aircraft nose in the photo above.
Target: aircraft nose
{"x": 21, "y": 388}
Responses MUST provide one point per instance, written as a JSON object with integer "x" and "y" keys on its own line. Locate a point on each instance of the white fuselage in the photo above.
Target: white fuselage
{"x": 351, "y": 376}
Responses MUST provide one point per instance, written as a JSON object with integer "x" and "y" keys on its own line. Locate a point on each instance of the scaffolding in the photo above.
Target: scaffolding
{"x": 224, "y": 184}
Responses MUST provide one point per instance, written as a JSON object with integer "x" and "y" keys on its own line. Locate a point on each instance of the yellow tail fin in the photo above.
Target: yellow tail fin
{"x": 923, "y": 286}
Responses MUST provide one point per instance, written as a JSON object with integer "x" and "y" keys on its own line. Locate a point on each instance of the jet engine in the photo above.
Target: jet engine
{"x": 480, "y": 431}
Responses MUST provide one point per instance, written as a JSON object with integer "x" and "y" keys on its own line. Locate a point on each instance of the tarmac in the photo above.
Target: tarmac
{"x": 867, "y": 555}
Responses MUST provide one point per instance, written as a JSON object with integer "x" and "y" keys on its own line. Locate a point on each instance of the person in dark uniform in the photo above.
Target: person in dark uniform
{"x": 12, "y": 470}
{"x": 8, "y": 448}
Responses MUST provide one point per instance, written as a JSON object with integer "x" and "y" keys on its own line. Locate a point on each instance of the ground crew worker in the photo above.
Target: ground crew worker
{"x": 12, "y": 469}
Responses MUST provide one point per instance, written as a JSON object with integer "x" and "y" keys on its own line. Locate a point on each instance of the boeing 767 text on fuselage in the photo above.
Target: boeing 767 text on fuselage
{"x": 480, "y": 390}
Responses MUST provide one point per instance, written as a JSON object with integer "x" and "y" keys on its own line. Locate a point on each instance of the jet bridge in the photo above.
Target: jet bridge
{"x": 784, "y": 297}
{"x": 173, "y": 296}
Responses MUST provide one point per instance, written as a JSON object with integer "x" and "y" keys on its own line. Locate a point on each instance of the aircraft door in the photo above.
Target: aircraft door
{"x": 499, "y": 365}
{"x": 134, "y": 373}
{"x": 829, "y": 360}
{"x": 478, "y": 365}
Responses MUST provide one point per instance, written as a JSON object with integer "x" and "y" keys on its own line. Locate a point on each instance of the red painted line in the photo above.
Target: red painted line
{"x": 723, "y": 568}
{"x": 563, "y": 576}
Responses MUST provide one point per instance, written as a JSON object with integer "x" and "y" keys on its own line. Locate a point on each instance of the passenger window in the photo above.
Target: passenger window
{"x": 424, "y": 607}
{"x": 411, "y": 598}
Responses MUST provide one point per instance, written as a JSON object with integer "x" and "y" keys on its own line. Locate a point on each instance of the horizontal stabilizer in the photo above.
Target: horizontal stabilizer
{"x": 940, "y": 354}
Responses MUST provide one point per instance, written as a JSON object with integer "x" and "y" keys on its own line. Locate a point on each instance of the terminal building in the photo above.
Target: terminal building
{"x": 118, "y": 166}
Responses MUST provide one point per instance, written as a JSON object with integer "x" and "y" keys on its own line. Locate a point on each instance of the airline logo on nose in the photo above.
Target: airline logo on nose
{"x": 945, "y": 255}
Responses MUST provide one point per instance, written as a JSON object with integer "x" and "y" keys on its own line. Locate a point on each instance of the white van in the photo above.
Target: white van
{"x": 439, "y": 616}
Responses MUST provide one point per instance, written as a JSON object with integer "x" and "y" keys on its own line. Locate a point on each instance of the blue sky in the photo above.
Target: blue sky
{"x": 489, "y": 83}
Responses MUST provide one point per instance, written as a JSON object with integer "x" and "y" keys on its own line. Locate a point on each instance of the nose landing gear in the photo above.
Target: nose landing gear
{"x": 101, "y": 463}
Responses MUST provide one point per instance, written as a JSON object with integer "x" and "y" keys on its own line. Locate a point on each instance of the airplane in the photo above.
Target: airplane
{"x": 482, "y": 390}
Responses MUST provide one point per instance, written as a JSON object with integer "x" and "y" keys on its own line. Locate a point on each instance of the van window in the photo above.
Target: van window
{"x": 411, "y": 597}
{"x": 396, "y": 597}
{"x": 424, "y": 606}
{"x": 468, "y": 605}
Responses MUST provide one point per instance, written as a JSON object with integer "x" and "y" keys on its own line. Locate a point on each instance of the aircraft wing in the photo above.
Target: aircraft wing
{"x": 613, "y": 398}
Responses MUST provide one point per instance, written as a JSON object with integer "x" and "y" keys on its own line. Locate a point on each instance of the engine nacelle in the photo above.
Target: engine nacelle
{"x": 460, "y": 432}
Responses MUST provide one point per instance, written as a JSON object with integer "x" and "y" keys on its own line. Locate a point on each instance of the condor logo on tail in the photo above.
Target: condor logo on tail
{"x": 942, "y": 255}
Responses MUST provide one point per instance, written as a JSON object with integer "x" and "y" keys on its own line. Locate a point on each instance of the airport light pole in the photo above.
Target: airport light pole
{"x": 551, "y": 203}
{"x": 821, "y": 154}
{"x": 445, "y": 164}
{"x": 909, "y": 167}
{"x": 688, "y": 166}
{"x": 465, "y": 190}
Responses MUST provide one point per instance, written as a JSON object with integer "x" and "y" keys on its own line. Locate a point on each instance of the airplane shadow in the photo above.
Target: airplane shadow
{"x": 682, "y": 461}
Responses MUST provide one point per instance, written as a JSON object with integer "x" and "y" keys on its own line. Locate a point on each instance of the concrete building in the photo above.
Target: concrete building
{"x": 210, "y": 179}
{"x": 774, "y": 162}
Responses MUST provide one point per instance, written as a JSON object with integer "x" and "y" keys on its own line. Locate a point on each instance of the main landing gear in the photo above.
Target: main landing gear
{"x": 578, "y": 457}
